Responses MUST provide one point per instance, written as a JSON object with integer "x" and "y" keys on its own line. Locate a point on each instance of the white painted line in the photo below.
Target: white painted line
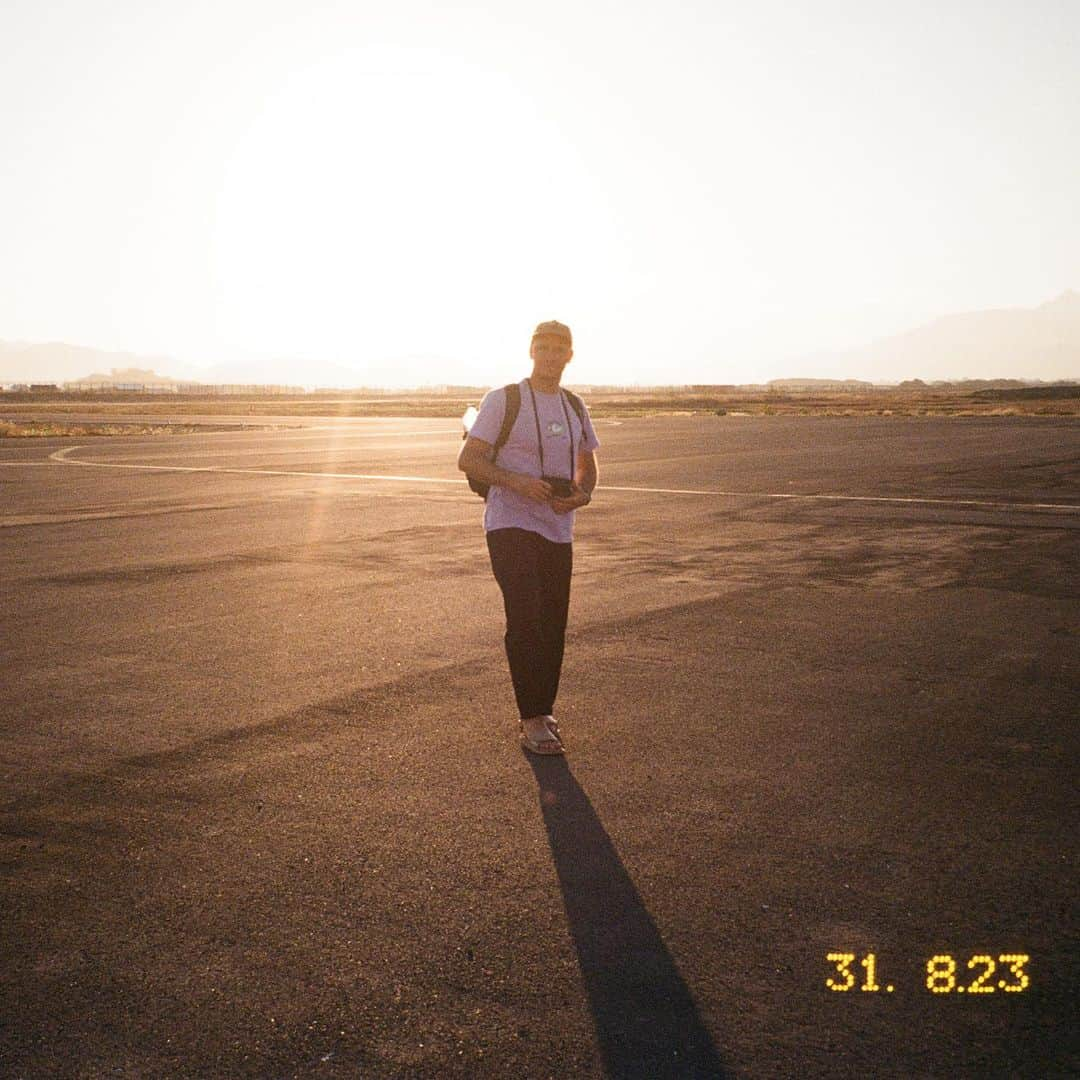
{"x": 984, "y": 504}
{"x": 323, "y": 448}
{"x": 61, "y": 456}
{"x": 341, "y": 431}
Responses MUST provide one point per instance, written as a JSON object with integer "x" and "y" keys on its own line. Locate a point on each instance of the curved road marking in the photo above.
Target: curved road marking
{"x": 61, "y": 456}
{"x": 984, "y": 504}
{"x": 341, "y": 429}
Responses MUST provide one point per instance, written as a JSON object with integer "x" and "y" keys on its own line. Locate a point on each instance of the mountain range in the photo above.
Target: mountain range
{"x": 1040, "y": 343}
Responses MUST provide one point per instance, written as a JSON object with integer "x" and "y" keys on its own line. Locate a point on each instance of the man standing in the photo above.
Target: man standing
{"x": 544, "y": 472}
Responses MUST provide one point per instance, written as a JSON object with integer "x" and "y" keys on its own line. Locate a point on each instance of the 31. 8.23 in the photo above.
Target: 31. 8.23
{"x": 983, "y": 974}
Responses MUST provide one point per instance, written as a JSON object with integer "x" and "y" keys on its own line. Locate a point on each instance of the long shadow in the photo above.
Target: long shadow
{"x": 646, "y": 1020}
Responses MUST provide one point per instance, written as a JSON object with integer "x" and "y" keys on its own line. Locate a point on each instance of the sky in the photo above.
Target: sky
{"x": 704, "y": 191}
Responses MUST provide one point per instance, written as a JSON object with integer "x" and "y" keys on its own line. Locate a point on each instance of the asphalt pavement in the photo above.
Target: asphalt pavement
{"x": 263, "y": 811}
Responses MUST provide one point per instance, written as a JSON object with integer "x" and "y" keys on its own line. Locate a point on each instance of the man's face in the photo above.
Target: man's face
{"x": 550, "y": 354}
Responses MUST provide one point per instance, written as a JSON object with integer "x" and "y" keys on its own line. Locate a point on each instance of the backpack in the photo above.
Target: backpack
{"x": 513, "y": 407}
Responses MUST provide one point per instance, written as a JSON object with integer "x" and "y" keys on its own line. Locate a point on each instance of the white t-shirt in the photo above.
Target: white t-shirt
{"x": 552, "y": 413}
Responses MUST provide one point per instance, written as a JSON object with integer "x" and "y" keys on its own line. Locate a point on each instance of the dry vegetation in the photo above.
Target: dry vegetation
{"x": 929, "y": 401}
{"x": 883, "y": 403}
{"x": 43, "y": 429}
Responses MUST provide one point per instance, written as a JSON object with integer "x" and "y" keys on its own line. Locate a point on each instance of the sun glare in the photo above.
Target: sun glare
{"x": 377, "y": 203}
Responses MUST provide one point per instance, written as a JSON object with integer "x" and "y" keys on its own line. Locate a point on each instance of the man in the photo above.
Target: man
{"x": 545, "y": 471}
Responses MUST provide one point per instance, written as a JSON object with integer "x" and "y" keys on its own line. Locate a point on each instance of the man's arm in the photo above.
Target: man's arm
{"x": 588, "y": 472}
{"x": 475, "y": 461}
{"x": 586, "y": 475}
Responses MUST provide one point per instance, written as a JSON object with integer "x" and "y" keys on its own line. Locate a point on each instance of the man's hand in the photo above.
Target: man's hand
{"x": 475, "y": 461}
{"x": 532, "y": 487}
{"x": 579, "y": 498}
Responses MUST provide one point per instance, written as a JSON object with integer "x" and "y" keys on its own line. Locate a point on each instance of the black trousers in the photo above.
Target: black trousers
{"x": 534, "y": 575}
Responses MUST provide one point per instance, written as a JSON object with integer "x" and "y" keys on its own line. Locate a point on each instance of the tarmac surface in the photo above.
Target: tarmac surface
{"x": 263, "y": 811}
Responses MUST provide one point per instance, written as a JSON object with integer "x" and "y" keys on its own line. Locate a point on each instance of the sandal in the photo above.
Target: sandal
{"x": 546, "y": 745}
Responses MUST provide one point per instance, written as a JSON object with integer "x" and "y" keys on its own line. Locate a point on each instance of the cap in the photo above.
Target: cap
{"x": 553, "y": 329}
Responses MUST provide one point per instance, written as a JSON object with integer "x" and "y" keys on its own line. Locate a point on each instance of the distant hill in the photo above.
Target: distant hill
{"x": 58, "y": 362}
{"x": 1033, "y": 343}
{"x": 821, "y": 385}
{"x": 125, "y": 376}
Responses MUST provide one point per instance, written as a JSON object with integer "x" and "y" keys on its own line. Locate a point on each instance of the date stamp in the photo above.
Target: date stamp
{"x": 944, "y": 974}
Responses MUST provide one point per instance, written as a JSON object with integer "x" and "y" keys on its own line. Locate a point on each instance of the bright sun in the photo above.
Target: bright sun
{"x": 382, "y": 201}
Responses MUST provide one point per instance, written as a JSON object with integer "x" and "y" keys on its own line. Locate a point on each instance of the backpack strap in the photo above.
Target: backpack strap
{"x": 510, "y": 414}
{"x": 579, "y": 408}
{"x": 511, "y": 408}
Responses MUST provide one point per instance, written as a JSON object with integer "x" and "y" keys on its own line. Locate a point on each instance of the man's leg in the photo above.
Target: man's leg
{"x": 557, "y": 565}
{"x": 516, "y": 562}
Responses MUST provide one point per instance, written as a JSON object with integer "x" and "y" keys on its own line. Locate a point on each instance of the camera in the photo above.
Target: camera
{"x": 561, "y": 488}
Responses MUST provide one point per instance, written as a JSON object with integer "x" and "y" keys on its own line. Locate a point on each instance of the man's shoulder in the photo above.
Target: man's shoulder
{"x": 576, "y": 400}
{"x": 590, "y": 441}
{"x": 582, "y": 410}
{"x": 496, "y": 407}
{"x": 497, "y": 394}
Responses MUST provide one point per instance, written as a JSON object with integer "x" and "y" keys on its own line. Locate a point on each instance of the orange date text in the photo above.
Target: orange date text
{"x": 941, "y": 974}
